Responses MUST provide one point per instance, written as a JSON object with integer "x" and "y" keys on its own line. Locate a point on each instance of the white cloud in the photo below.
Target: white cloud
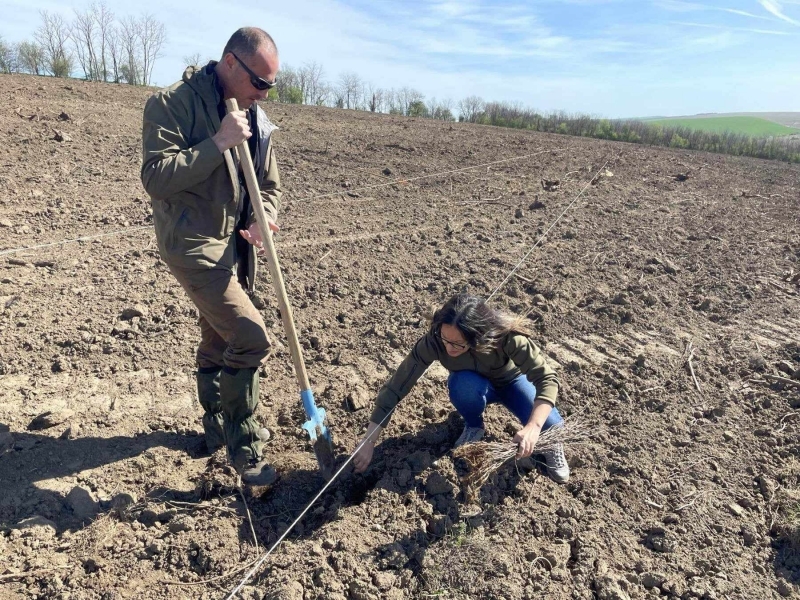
{"x": 679, "y": 5}
{"x": 744, "y": 13}
{"x": 744, "y": 29}
{"x": 776, "y": 9}
{"x": 609, "y": 57}
{"x": 683, "y": 6}
{"x": 451, "y": 9}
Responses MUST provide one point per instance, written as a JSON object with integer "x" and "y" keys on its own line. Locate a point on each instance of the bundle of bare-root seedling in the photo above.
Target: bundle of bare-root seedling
{"x": 484, "y": 458}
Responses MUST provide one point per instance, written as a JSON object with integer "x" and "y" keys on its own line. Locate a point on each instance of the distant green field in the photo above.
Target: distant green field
{"x": 752, "y": 126}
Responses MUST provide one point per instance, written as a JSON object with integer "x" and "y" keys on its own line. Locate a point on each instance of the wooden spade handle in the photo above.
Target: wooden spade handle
{"x": 254, "y": 191}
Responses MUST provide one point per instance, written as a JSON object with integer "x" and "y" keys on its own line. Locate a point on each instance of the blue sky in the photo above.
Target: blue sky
{"x": 614, "y": 58}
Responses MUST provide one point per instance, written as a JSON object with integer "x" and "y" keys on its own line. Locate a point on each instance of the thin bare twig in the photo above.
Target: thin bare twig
{"x": 694, "y": 377}
{"x": 782, "y": 380}
{"x": 487, "y": 201}
{"x": 697, "y": 495}
{"x": 683, "y": 468}
{"x": 247, "y": 512}
{"x": 650, "y": 389}
{"x": 24, "y": 574}
{"x": 783, "y": 419}
{"x": 198, "y": 505}
{"x": 778, "y": 286}
{"x": 690, "y": 351}
{"x": 217, "y": 578}
{"x": 324, "y": 256}
{"x": 537, "y": 559}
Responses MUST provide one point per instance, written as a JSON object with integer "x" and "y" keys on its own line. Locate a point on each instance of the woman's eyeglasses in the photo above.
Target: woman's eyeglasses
{"x": 257, "y": 82}
{"x": 455, "y": 345}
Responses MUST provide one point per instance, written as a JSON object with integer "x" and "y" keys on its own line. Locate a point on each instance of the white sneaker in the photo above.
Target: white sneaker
{"x": 469, "y": 435}
{"x": 557, "y": 467}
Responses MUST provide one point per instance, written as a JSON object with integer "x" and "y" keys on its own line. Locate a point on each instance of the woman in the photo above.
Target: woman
{"x": 491, "y": 358}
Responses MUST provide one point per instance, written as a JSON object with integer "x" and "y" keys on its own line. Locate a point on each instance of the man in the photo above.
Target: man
{"x": 206, "y": 231}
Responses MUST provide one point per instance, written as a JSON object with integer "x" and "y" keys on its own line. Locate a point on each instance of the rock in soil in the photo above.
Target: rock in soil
{"x": 50, "y": 419}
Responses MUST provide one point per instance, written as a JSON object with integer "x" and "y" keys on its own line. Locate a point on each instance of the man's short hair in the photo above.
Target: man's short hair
{"x": 247, "y": 40}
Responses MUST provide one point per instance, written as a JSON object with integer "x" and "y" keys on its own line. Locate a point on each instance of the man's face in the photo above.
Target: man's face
{"x": 236, "y": 82}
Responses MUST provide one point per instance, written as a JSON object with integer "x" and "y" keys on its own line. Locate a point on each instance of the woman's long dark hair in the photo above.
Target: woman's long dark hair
{"x": 482, "y": 326}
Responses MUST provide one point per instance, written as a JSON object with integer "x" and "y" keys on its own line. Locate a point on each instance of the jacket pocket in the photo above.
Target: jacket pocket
{"x": 229, "y": 211}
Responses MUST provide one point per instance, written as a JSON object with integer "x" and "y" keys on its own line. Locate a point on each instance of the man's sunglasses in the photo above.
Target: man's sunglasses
{"x": 257, "y": 82}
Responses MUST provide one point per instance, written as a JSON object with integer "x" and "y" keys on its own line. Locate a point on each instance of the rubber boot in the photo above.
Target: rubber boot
{"x": 208, "y": 394}
{"x": 238, "y": 390}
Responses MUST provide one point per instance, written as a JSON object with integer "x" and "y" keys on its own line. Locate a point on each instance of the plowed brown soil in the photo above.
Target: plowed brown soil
{"x": 681, "y": 493}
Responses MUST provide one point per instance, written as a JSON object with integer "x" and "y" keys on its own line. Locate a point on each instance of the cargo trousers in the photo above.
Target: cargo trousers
{"x": 233, "y": 345}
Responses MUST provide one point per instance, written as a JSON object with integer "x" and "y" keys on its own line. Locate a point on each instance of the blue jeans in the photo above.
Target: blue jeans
{"x": 471, "y": 392}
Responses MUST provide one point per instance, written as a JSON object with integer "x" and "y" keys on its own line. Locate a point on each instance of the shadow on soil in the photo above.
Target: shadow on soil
{"x": 32, "y": 463}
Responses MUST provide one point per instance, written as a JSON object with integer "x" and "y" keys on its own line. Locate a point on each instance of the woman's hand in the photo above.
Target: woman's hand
{"x": 363, "y": 457}
{"x": 527, "y": 438}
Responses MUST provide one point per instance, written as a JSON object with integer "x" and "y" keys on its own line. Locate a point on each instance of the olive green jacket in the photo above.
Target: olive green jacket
{"x": 195, "y": 190}
{"x": 516, "y": 355}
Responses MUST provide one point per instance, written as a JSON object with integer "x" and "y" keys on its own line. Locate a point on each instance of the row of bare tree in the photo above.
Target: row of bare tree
{"x": 307, "y": 85}
{"x": 93, "y": 43}
{"x": 124, "y": 50}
